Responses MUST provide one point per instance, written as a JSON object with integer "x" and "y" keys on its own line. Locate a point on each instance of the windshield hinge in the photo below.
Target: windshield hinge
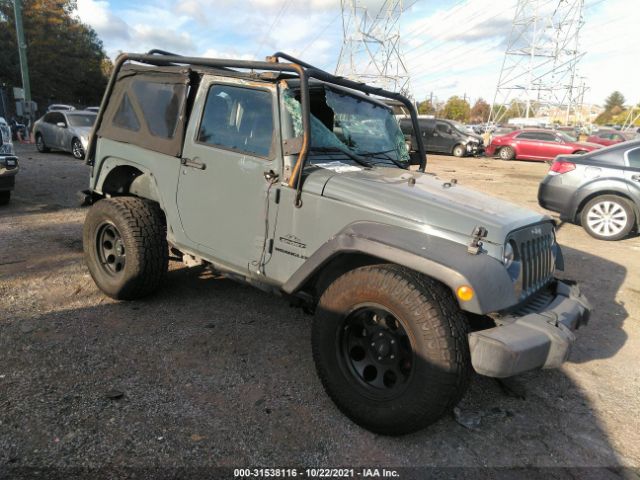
{"x": 475, "y": 247}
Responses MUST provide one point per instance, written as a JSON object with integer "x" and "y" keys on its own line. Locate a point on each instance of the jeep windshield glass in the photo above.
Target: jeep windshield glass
{"x": 82, "y": 120}
{"x": 348, "y": 128}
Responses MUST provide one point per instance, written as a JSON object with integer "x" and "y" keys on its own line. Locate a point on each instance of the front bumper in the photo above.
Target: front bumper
{"x": 8, "y": 170}
{"x": 540, "y": 337}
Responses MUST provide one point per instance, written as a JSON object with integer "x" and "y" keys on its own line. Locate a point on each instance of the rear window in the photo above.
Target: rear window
{"x": 125, "y": 116}
{"x": 634, "y": 158}
{"x": 160, "y": 104}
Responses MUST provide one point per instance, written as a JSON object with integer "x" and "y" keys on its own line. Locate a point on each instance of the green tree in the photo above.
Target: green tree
{"x": 67, "y": 62}
{"x": 457, "y": 108}
{"x": 480, "y": 111}
{"x": 616, "y": 99}
{"x": 426, "y": 108}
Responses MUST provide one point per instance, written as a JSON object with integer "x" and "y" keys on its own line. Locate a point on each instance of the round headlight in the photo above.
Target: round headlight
{"x": 509, "y": 255}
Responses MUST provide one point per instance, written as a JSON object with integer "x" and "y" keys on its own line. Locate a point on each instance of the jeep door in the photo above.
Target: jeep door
{"x": 222, "y": 190}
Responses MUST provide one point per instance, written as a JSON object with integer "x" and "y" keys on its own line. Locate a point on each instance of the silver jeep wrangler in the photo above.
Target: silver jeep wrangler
{"x": 286, "y": 177}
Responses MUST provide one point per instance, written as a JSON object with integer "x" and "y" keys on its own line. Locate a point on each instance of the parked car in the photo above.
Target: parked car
{"x": 536, "y": 144}
{"x": 444, "y": 136}
{"x": 8, "y": 163}
{"x": 606, "y": 137}
{"x": 59, "y": 107}
{"x": 389, "y": 259}
{"x": 64, "y": 130}
{"x": 18, "y": 130}
{"x": 599, "y": 190}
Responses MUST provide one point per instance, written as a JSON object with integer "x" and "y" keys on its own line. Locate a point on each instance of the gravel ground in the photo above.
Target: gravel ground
{"x": 212, "y": 373}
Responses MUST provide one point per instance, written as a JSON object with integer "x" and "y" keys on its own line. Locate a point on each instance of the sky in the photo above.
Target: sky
{"x": 451, "y": 47}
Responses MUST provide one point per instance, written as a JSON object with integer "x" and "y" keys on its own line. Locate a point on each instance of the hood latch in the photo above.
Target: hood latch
{"x": 475, "y": 247}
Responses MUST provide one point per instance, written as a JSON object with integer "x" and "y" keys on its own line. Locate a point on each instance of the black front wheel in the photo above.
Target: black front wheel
{"x": 5, "y": 196}
{"x": 125, "y": 246}
{"x": 390, "y": 348}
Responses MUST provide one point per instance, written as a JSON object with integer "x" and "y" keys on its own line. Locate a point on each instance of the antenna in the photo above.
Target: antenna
{"x": 370, "y": 50}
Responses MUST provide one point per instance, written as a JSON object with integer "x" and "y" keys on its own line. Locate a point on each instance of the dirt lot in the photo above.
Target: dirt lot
{"x": 216, "y": 373}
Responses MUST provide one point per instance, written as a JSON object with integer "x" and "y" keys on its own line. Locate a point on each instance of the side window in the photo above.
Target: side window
{"x": 49, "y": 117}
{"x": 527, "y": 136}
{"x": 443, "y": 128}
{"x": 125, "y": 117}
{"x": 58, "y": 118}
{"x": 547, "y": 137}
{"x": 617, "y": 137}
{"x": 161, "y": 104}
{"x": 634, "y": 158}
{"x": 239, "y": 119}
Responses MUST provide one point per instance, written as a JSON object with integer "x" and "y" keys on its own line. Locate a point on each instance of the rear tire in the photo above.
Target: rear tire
{"x": 459, "y": 151}
{"x": 507, "y": 153}
{"x": 125, "y": 246}
{"x": 40, "y": 145}
{"x": 5, "y": 197}
{"x": 608, "y": 217}
{"x": 372, "y": 314}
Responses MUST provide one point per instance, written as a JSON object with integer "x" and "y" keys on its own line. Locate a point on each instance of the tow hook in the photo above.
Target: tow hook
{"x": 475, "y": 247}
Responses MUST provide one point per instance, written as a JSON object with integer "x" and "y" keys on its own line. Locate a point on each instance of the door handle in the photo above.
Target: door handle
{"x": 193, "y": 163}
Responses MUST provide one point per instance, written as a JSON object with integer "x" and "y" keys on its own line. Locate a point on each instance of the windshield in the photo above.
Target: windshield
{"x": 81, "y": 120}
{"x": 350, "y": 128}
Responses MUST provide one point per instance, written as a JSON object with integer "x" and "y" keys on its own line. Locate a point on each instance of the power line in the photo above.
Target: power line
{"x": 273, "y": 24}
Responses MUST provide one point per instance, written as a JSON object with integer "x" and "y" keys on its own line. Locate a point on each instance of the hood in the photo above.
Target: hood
{"x": 431, "y": 202}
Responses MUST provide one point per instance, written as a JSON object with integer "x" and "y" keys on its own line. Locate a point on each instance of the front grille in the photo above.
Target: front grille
{"x": 535, "y": 252}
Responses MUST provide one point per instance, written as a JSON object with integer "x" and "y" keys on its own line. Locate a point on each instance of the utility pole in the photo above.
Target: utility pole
{"x": 22, "y": 52}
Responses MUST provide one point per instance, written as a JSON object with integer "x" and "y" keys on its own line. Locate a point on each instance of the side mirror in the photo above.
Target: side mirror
{"x": 61, "y": 125}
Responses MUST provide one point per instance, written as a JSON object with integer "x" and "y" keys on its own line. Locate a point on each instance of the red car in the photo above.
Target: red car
{"x": 606, "y": 137}
{"x": 536, "y": 145}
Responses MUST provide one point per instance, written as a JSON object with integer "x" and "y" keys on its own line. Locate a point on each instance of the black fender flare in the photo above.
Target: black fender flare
{"x": 444, "y": 260}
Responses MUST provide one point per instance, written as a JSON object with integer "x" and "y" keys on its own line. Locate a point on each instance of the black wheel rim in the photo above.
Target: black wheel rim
{"x": 110, "y": 249}
{"x": 376, "y": 351}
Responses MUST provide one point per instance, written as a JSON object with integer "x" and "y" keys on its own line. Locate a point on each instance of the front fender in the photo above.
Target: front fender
{"x": 441, "y": 259}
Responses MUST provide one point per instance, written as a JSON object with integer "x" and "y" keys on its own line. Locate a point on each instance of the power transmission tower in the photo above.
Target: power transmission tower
{"x": 539, "y": 70}
{"x": 371, "y": 45}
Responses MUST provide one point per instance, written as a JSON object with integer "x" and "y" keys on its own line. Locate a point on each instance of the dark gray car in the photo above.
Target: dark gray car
{"x": 599, "y": 190}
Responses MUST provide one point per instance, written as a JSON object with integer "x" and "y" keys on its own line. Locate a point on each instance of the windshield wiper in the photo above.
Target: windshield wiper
{"x": 356, "y": 158}
{"x": 385, "y": 154}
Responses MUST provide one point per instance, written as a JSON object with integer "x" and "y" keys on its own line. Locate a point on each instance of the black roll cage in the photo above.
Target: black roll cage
{"x": 302, "y": 69}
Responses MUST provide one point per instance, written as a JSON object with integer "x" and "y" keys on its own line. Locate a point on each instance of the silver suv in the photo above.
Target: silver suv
{"x": 285, "y": 177}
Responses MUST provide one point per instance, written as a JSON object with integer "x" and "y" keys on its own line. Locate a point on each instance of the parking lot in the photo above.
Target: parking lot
{"x": 209, "y": 372}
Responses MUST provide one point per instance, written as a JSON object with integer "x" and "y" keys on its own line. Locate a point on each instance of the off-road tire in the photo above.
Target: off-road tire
{"x": 142, "y": 227}
{"x": 5, "y": 196}
{"x": 76, "y": 149}
{"x": 459, "y": 151}
{"x": 40, "y": 145}
{"x": 507, "y": 153}
{"x": 437, "y": 330}
{"x": 618, "y": 204}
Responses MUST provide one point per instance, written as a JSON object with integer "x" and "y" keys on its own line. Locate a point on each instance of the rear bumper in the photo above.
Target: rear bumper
{"x": 555, "y": 196}
{"x": 538, "y": 339}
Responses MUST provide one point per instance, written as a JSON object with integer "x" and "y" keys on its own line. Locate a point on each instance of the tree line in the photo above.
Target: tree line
{"x": 67, "y": 61}
{"x": 459, "y": 109}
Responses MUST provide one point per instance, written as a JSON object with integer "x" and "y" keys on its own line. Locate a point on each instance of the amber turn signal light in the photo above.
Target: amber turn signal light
{"x": 465, "y": 293}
